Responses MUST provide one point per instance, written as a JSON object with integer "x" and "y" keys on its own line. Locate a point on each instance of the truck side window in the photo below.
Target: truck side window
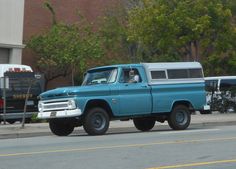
{"x": 130, "y": 76}
{"x": 195, "y": 73}
{"x": 184, "y": 73}
{"x": 177, "y": 73}
{"x": 158, "y": 74}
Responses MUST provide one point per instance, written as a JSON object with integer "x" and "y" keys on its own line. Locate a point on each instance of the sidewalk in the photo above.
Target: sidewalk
{"x": 42, "y": 129}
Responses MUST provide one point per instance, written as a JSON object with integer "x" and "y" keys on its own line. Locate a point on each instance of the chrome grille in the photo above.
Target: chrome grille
{"x": 55, "y": 105}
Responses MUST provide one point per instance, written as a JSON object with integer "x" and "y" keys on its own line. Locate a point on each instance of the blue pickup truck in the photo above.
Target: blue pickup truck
{"x": 146, "y": 93}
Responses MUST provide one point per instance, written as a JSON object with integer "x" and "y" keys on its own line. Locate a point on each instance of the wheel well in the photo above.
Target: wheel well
{"x": 185, "y": 103}
{"x": 99, "y": 103}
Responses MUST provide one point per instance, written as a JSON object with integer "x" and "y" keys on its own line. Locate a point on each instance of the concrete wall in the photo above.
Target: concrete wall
{"x": 11, "y": 28}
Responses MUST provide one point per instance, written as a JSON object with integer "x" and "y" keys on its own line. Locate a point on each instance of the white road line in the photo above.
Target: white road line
{"x": 189, "y": 131}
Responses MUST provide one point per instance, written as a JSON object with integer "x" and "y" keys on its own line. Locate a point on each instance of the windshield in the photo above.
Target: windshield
{"x": 102, "y": 76}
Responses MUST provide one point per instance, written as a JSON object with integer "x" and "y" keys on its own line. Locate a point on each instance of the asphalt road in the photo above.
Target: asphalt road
{"x": 196, "y": 148}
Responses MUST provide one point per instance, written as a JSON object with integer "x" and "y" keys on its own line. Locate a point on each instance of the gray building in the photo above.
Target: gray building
{"x": 11, "y": 31}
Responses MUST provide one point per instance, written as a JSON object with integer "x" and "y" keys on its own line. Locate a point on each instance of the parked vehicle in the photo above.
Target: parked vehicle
{"x": 14, "y": 68}
{"x": 20, "y": 78}
{"x": 145, "y": 93}
{"x": 221, "y": 94}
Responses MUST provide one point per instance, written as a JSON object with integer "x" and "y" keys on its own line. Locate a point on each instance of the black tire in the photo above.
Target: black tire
{"x": 61, "y": 127}
{"x": 179, "y": 118}
{"x": 144, "y": 124}
{"x": 96, "y": 121}
{"x": 11, "y": 121}
{"x": 205, "y": 112}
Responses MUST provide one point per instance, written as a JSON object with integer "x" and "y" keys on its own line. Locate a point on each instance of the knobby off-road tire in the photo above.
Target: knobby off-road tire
{"x": 179, "y": 118}
{"x": 61, "y": 127}
{"x": 96, "y": 121}
{"x": 144, "y": 124}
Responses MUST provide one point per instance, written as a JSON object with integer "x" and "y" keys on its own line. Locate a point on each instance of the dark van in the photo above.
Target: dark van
{"x": 15, "y": 96}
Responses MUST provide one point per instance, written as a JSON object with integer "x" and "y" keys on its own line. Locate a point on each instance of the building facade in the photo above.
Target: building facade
{"x": 22, "y": 19}
{"x": 38, "y": 19}
{"x": 11, "y": 31}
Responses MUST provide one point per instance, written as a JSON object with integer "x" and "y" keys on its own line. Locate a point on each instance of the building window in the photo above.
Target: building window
{"x": 4, "y": 55}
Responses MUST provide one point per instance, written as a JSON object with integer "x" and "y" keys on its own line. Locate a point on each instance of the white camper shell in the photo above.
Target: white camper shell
{"x": 173, "y": 73}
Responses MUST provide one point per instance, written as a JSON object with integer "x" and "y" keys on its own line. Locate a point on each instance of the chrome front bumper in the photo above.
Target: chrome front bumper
{"x": 58, "y": 108}
{"x": 59, "y": 114}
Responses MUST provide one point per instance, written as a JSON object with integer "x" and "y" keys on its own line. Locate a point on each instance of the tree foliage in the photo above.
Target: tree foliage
{"x": 65, "y": 49}
{"x": 113, "y": 32}
{"x": 199, "y": 30}
{"x": 143, "y": 31}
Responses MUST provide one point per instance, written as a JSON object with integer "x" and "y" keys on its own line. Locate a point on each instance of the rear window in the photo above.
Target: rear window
{"x": 22, "y": 85}
{"x": 20, "y": 82}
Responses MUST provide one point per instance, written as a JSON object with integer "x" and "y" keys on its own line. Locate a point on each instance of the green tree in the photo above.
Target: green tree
{"x": 113, "y": 32}
{"x": 199, "y": 30}
{"x": 65, "y": 49}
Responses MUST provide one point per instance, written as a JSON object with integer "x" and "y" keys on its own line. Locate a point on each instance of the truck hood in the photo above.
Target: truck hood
{"x": 66, "y": 92}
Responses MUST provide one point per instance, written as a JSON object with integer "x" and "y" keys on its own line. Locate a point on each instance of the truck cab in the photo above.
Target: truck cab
{"x": 145, "y": 93}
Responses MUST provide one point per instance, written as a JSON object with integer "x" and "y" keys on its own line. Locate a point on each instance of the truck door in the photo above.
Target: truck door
{"x": 134, "y": 93}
